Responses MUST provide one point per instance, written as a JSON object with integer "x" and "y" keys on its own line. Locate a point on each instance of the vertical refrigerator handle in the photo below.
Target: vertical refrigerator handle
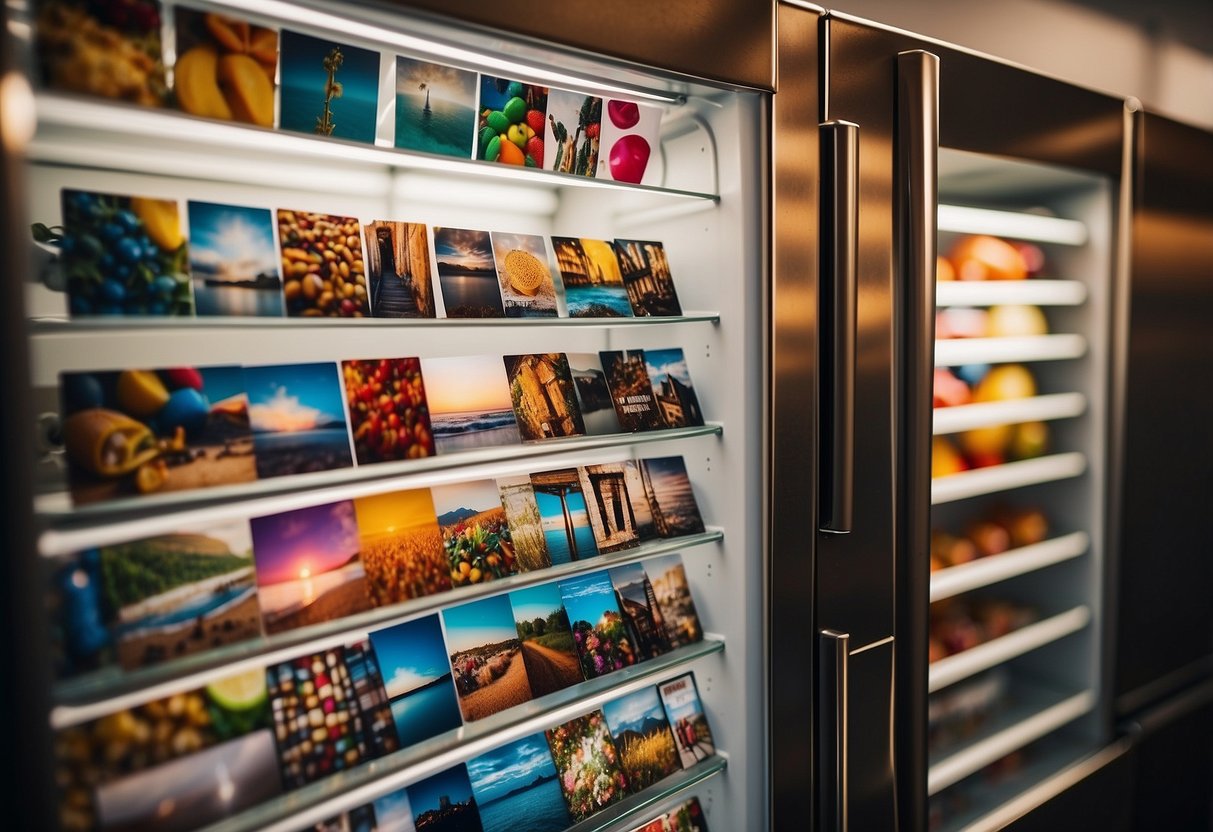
{"x": 839, "y": 253}
{"x": 834, "y": 651}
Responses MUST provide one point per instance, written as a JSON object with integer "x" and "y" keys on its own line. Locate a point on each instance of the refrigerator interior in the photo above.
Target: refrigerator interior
{"x": 1015, "y": 677}
{"x": 704, "y": 204}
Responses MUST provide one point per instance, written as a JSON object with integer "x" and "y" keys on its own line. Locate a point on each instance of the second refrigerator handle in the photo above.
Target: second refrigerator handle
{"x": 839, "y": 142}
{"x": 835, "y": 652}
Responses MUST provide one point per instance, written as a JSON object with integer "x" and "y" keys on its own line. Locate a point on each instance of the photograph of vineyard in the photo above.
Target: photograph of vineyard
{"x": 685, "y": 714}
{"x": 566, "y": 524}
{"x": 642, "y": 736}
{"x": 674, "y": 601}
{"x": 689, "y": 817}
{"x": 641, "y": 612}
{"x": 308, "y": 566}
{"x": 593, "y": 395}
{"x": 486, "y": 657}
{"x": 610, "y": 506}
{"x": 417, "y": 675}
{"x": 444, "y": 802}
{"x": 401, "y": 546}
{"x": 475, "y": 533}
{"x": 675, "y": 511}
{"x": 599, "y": 633}
{"x": 158, "y": 598}
{"x": 547, "y": 638}
{"x": 519, "y": 781}
{"x": 526, "y": 527}
{"x": 588, "y": 763}
{"x": 545, "y": 401}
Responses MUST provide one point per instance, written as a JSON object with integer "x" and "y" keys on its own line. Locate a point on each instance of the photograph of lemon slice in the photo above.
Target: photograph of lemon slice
{"x": 527, "y": 275}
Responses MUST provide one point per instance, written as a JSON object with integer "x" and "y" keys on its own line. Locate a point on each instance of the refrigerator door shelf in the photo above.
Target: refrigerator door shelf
{"x": 996, "y": 478}
{"x": 1010, "y": 564}
{"x": 952, "y": 669}
{"x": 1014, "y": 224}
{"x": 1010, "y": 412}
{"x": 991, "y": 292}
{"x": 957, "y": 351}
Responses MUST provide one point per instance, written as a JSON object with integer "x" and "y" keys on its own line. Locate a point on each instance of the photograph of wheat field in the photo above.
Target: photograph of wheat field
{"x": 526, "y": 525}
{"x": 643, "y": 737}
{"x": 401, "y": 546}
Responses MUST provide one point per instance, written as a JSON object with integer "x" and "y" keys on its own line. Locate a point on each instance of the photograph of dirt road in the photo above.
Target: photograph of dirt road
{"x": 547, "y": 639}
{"x": 486, "y": 657}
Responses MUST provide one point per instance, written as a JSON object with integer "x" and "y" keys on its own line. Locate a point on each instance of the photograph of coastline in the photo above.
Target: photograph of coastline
{"x": 672, "y": 390}
{"x": 401, "y": 546}
{"x": 328, "y": 88}
{"x": 475, "y": 531}
{"x": 139, "y": 432}
{"x": 544, "y": 399}
{"x": 642, "y": 613}
{"x": 593, "y": 396}
{"x": 685, "y": 713}
{"x": 435, "y": 108}
{"x": 470, "y": 403}
{"x": 609, "y": 505}
{"x": 417, "y": 675}
{"x": 572, "y": 133}
{"x": 562, "y": 511}
{"x": 398, "y": 265}
{"x": 646, "y": 274}
{"x": 674, "y": 602}
{"x": 486, "y": 657}
{"x": 627, "y": 378}
{"x": 389, "y": 417}
{"x": 643, "y": 738}
{"x": 675, "y": 511}
{"x": 515, "y": 781}
{"x": 547, "y": 638}
{"x": 393, "y": 813}
{"x": 588, "y": 765}
{"x": 146, "y": 601}
{"x": 444, "y": 802}
{"x": 234, "y": 261}
{"x": 593, "y": 284}
{"x": 601, "y": 638}
{"x": 308, "y": 566}
{"x": 297, "y": 413}
{"x": 526, "y": 526}
{"x": 467, "y": 274}
{"x": 523, "y": 275}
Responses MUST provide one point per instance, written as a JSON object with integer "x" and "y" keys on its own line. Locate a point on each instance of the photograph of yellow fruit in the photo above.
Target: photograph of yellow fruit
{"x": 225, "y": 68}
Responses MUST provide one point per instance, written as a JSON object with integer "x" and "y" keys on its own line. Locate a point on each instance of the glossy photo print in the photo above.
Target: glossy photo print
{"x": 435, "y": 108}
{"x": 683, "y": 709}
{"x": 646, "y": 274}
{"x": 470, "y": 403}
{"x": 486, "y": 657}
{"x": 308, "y": 566}
{"x": 401, "y": 546}
{"x": 599, "y": 634}
{"x": 643, "y": 738}
{"x": 675, "y": 511}
{"x": 526, "y": 526}
{"x": 630, "y": 134}
{"x": 511, "y": 123}
{"x": 225, "y": 67}
{"x": 417, "y": 675}
{"x": 234, "y": 261}
{"x": 297, "y": 412}
{"x": 324, "y": 275}
{"x": 393, "y": 812}
{"x": 475, "y": 531}
{"x": 674, "y": 602}
{"x": 642, "y": 614}
{"x": 593, "y": 395}
{"x": 518, "y": 781}
{"x": 141, "y": 432}
{"x": 467, "y": 274}
{"x": 562, "y": 511}
{"x": 124, "y": 255}
{"x": 609, "y": 505}
{"x": 593, "y": 284}
{"x": 444, "y": 802}
{"x": 687, "y": 817}
{"x": 524, "y": 276}
{"x": 328, "y": 88}
{"x": 389, "y": 416}
{"x": 398, "y": 265}
{"x": 588, "y": 763}
{"x": 106, "y": 49}
{"x": 672, "y": 390}
{"x": 543, "y": 395}
{"x": 572, "y": 133}
{"x": 547, "y": 638}
{"x": 627, "y": 378}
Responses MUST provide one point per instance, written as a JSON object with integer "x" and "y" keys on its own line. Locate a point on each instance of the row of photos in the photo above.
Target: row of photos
{"x": 128, "y": 255}
{"x": 193, "y": 757}
{"x": 229, "y": 69}
{"x": 135, "y": 432}
{"x": 143, "y": 602}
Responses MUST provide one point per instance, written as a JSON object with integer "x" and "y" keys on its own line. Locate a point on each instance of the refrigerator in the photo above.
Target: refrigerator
{"x": 109, "y": 744}
{"x": 958, "y": 675}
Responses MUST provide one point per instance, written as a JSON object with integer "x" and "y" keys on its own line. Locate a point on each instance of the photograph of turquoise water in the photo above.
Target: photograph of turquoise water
{"x": 435, "y": 108}
{"x": 344, "y": 105}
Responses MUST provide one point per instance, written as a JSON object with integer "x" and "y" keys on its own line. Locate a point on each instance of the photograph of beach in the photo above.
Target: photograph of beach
{"x": 642, "y": 735}
{"x": 444, "y": 802}
{"x": 526, "y": 526}
{"x": 547, "y": 638}
{"x": 674, "y": 601}
{"x": 475, "y": 531}
{"x": 515, "y": 781}
{"x": 572, "y": 133}
{"x": 139, "y": 432}
{"x": 308, "y": 566}
{"x": 486, "y": 657}
{"x": 401, "y": 546}
{"x": 593, "y": 284}
{"x": 641, "y": 613}
{"x": 593, "y": 395}
{"x": 676, "y": 399}
{"x": 646, "y": 274}
{"x": 562, "y": 511}
{"x": 297, "y": 413}
{"x": 544, "y": 399}
{"x": 524, "y": 276}
{"x": 234, "y": 261}
{"x": 610, "y": 506}
{"x": 435, "y": 108}
{"x": 675, "y": 511}
{"x": 466, "y": 273}
{"x": 398, "y": 265}
{"x": 328, "y": 88}
{"x": 601, "y": 638}
{"x": 685, "y": 713}
{"x": 470, "y": 403}
{"x": 417, "y": 675}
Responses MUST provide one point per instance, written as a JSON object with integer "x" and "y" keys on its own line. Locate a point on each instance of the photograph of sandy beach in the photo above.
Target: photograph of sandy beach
{"x": 470, "y": 403}
{"x": 298, "y": 416}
